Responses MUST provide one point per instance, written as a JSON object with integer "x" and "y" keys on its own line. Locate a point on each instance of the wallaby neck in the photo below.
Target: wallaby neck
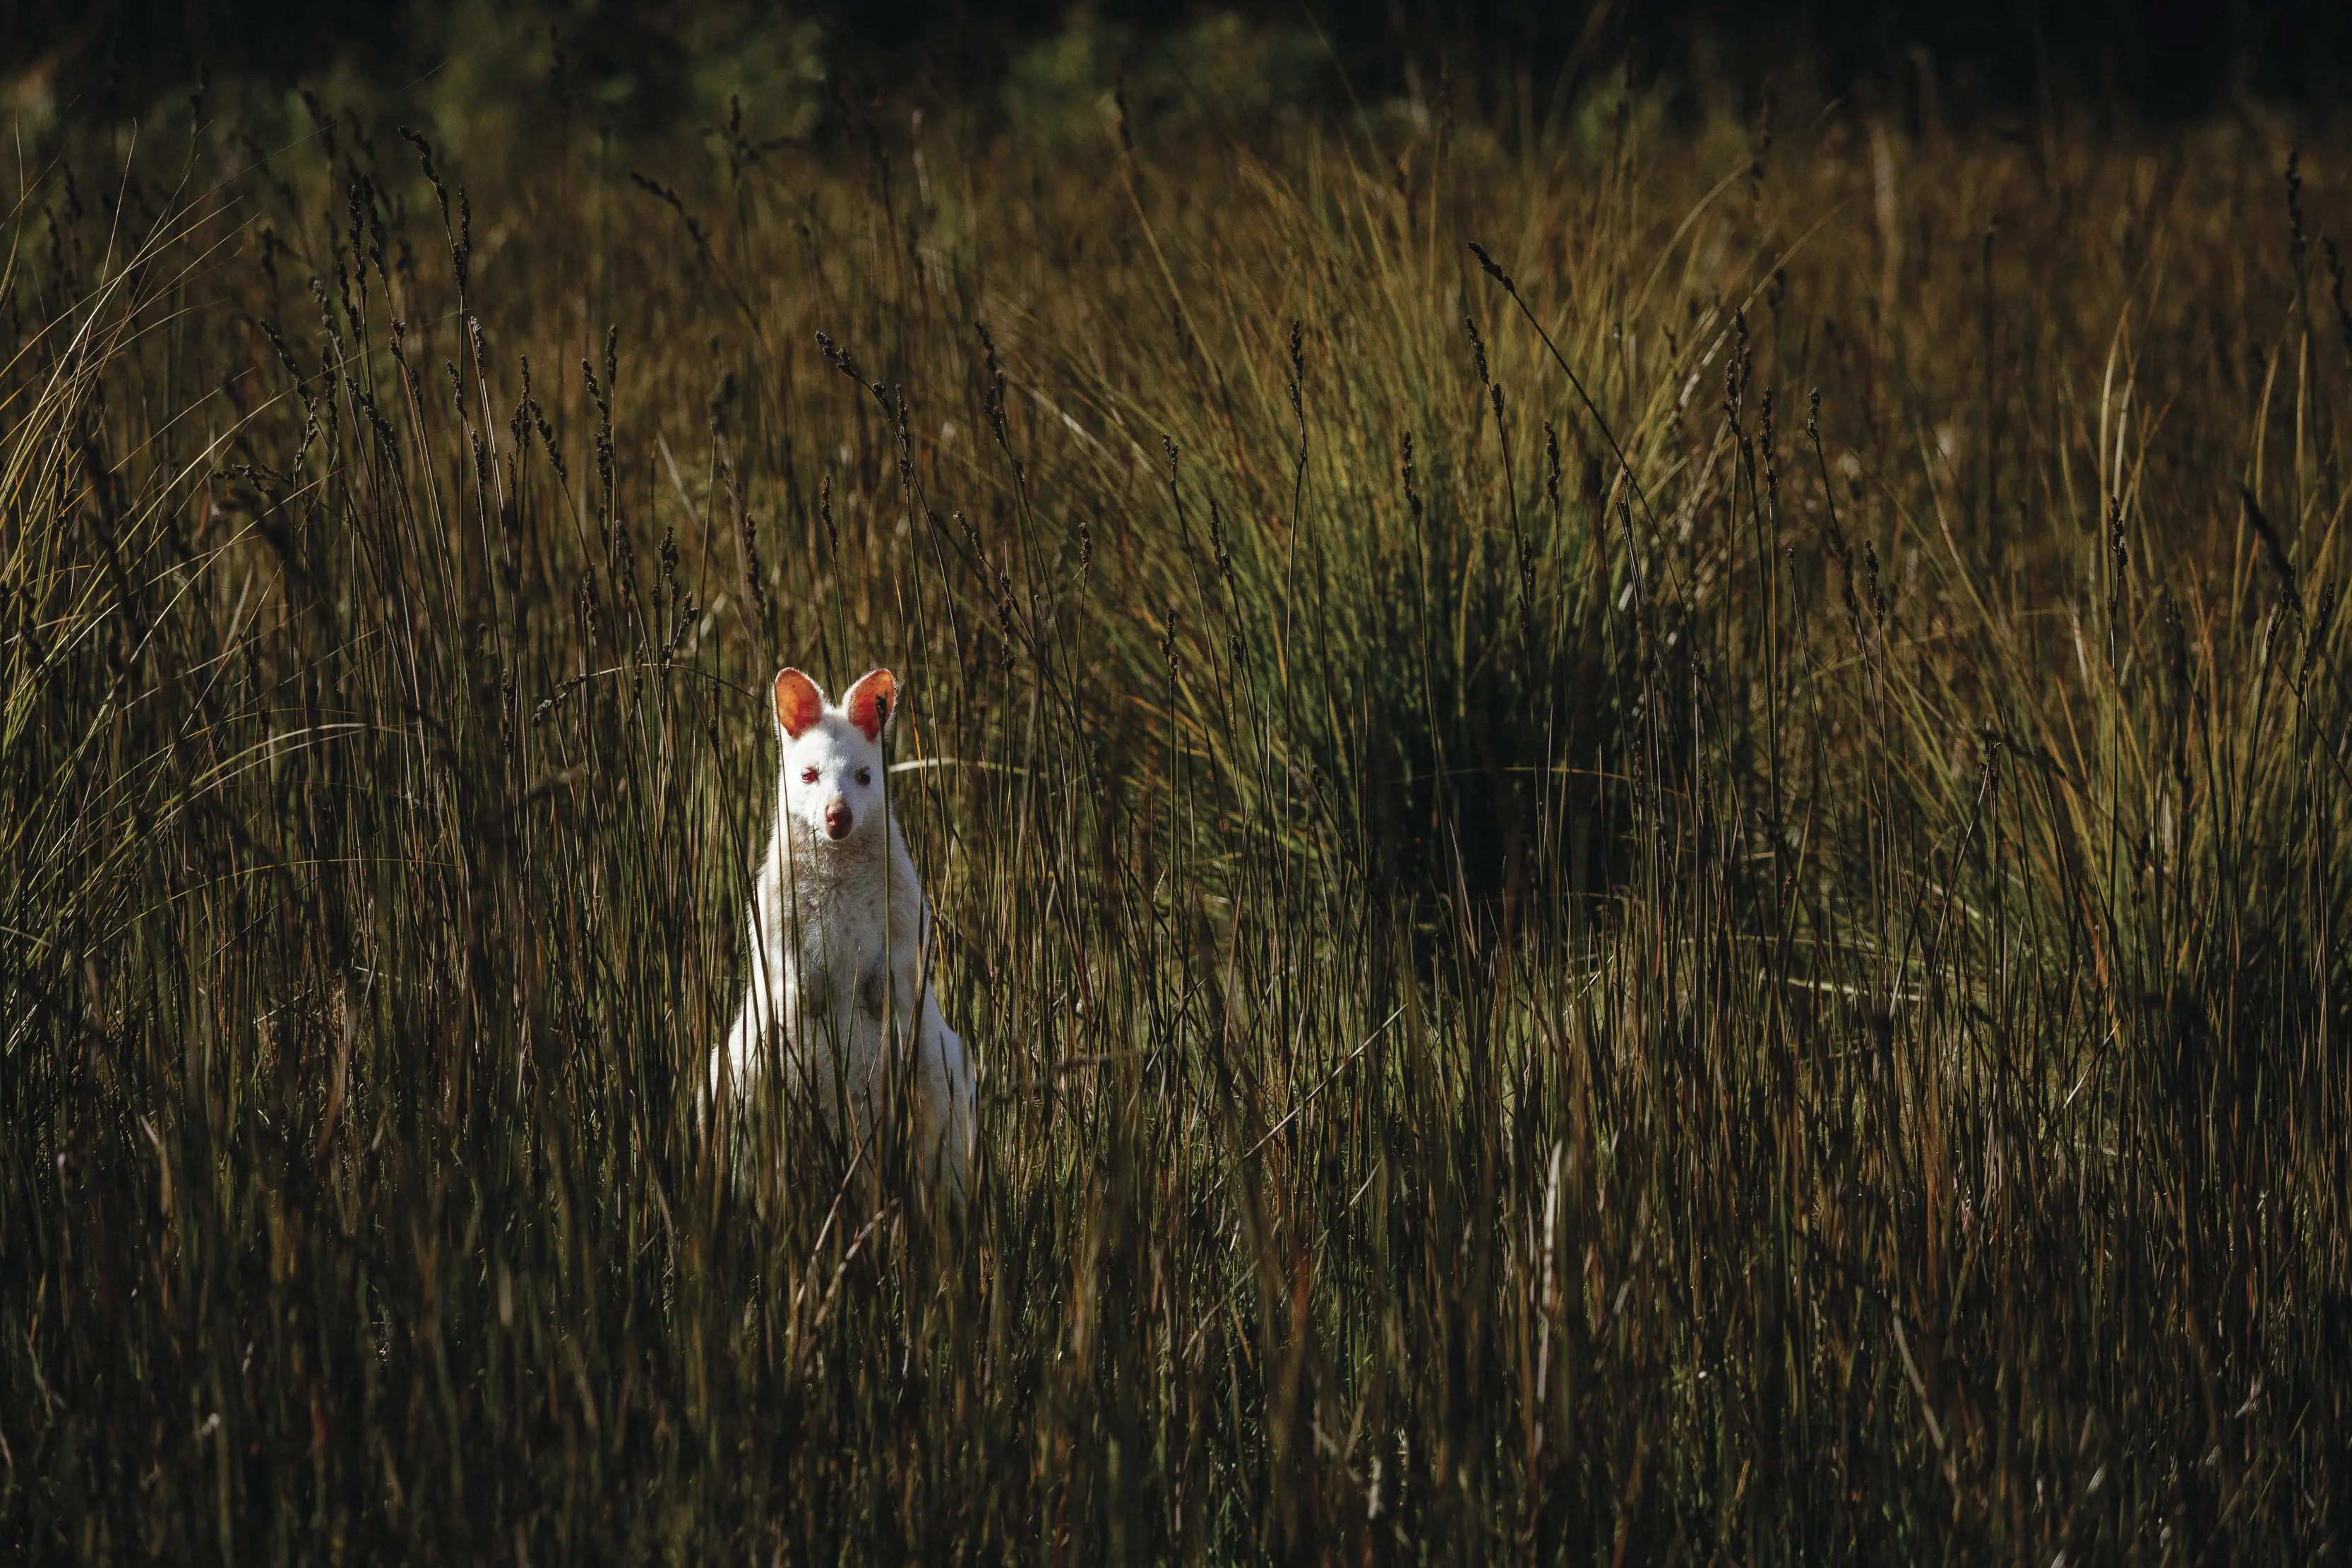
{"x": 816, "y": 864}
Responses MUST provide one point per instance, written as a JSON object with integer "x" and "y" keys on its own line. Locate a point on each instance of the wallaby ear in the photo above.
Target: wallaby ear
{"x": 871, "y": 702}
{"x": 799, "y": 703}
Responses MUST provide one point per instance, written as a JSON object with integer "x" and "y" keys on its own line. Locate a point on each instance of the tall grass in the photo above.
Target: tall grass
{"x": 1669, "y": 892}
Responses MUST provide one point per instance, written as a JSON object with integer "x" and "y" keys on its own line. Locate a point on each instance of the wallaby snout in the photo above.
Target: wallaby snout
{"x": 839, "y": 820}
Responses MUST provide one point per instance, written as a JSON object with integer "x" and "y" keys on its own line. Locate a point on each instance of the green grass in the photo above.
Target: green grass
{"x": 1649, "y": 979}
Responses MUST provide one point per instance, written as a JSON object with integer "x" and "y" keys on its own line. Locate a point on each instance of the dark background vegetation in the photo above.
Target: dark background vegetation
{"x": 2151, "y": 60}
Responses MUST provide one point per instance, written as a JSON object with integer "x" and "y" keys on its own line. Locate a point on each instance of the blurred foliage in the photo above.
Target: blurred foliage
{"x": 1054, "y": 69}
{"x": 1095, "y": 79}
{"x": 634, "y": 70}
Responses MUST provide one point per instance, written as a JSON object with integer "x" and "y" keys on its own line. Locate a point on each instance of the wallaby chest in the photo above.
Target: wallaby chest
{"x": 846, "y": 940}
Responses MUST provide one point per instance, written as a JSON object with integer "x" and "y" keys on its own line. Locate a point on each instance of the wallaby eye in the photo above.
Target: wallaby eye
{"x": 808, "y": 774}
{"x": 865, "y": 776}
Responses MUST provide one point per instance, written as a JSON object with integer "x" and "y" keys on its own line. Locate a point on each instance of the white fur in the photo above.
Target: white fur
{"x": 828, "y": 917}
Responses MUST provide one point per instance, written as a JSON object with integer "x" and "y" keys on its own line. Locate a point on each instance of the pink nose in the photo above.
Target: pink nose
{"x": 838, "y": 820}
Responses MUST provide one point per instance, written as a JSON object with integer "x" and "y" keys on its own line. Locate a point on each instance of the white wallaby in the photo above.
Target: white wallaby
{"x": 841, "y": 990}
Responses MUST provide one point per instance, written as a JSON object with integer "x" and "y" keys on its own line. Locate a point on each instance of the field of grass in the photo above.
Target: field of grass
{"x": 1669, "y": 892}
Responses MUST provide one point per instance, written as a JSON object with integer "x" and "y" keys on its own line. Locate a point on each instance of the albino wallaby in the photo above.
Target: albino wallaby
{"x": 842, "y": 945}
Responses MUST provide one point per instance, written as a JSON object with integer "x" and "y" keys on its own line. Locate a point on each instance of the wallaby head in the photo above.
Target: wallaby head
{"x": 831, "y": 781}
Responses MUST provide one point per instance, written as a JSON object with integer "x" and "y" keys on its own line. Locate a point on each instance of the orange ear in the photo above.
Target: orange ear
{"x": 870, "y": 702}
{"x": 799, "y": 703}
